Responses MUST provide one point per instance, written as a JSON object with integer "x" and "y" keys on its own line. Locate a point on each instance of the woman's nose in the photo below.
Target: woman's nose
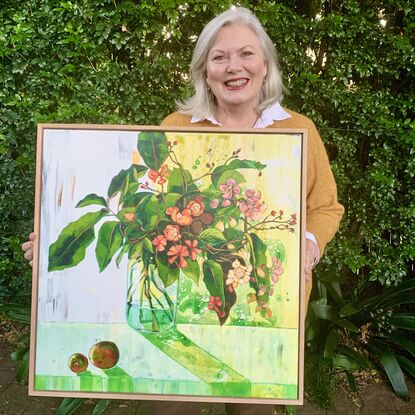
{"x": 234, "y": 64}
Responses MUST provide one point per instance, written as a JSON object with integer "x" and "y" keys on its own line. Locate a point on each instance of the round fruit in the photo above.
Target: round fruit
{"x": 104, "y": 355}
{"x": 78, "y": 363}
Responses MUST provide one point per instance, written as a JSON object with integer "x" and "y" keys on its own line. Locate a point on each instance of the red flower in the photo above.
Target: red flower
{"x": 193, "y": 250}
{"x": 172, "y": 233}
{"x": 159, "y": 242}
{"x": 182, "y": 218}
{"x": 215, "y": 303}
{"x": 178, "y": 252}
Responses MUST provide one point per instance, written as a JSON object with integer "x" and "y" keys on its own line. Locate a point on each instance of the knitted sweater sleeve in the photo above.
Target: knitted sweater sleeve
{"x": 324, "y": 212}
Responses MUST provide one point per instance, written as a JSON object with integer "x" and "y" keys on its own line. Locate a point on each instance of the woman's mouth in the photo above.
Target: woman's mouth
{"x": 236, "y": 83}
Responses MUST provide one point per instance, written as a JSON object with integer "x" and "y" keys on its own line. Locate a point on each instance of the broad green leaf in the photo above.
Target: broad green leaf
{"x": 168, "y": 273}
{"x": 403, "y": 320}
{"x": 233, "y": 165}
{"x": 109, "y": 242}
{"x": 231, "y": 174}
{"x": 352, "y": 381}
{"x": 258, "y": 256}
{"x": 348, "y": 310}
{"x": 357, "y": 356}
{"x": 92, "y": 199}
{"x": 192, "y": 270}
{"x": 213, "y": 279}
{"x": 117, "y": 182}
{"x": 330, "y": 346}
{"x": 180, "y": 182}
{"x": 153, "y": 148}
{"x": 347, "y": 325}
{"x": 147, "y": 213}
{"x": 69, "y": 406}
{"x": 121, "y": 254}
{"x": 148, "y": 245}
{"x": 212, "y": 236}
{"x": 403, "y": 342}
{"x": 394, "y": 372}
{"x": 132, "y": 200}
{"x": 407, "y": 364}
{"x": 101, "y": 406}
{"x": 325, "y": 312}
{"x": 69, "y": 249}
{"x": 344, "y": 362}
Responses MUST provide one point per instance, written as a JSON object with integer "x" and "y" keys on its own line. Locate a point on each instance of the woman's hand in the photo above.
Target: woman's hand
{"x": 312, "y": 256}
{"x": 28, "y": 248}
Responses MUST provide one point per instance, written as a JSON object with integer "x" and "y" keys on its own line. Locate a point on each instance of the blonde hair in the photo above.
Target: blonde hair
{"x": 202, "y": 103}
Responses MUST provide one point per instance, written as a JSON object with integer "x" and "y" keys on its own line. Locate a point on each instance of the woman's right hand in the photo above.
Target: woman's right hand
{"x": 28, "y": 248}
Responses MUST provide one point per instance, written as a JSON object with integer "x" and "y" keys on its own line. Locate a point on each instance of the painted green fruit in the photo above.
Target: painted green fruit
{"x": 78, "y": 363}
{"x": 104, "y": 355}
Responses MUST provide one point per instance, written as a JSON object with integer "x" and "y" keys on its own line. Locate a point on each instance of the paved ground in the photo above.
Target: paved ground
{"x": 374, "y": 400}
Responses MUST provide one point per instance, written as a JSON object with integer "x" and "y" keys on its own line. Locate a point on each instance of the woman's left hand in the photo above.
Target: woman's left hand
{"x": 312, "y": 256}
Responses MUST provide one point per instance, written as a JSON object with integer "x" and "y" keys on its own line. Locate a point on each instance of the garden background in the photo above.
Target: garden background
{"x": 349, "y": 65}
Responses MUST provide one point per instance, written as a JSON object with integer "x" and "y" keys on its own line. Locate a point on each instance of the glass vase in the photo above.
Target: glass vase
{"x": 151, "y": 307}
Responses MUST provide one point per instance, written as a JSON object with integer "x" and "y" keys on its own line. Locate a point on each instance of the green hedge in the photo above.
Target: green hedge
{"x": 125, "y": 62}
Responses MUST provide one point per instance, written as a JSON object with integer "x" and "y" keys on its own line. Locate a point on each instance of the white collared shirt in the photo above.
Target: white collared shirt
{"x": 274, "y": 112}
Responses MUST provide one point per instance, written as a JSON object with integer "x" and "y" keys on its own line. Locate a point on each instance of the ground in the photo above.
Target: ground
{"x": 375, "y": 399}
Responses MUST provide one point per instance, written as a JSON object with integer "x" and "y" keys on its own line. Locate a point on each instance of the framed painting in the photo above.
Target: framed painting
{"x": 169, "y": 264}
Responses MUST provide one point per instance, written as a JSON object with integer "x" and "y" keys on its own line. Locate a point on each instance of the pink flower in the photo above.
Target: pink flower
{"x": 172, "y": 233}
{"x": 229, "y": 191}
{"x": 293, "y": 220}
{"x": 276, "y": 270}
{"x": 215, "y": 303}
{"x": 238, "y": 275}
{"x": 214, "y": 203}
{"x": 178, "y": 252}
{"x": 161, "y": 175}
{"x": 251, "y": 206}
{"x": 159, "y": 242}
{"x": 193, "y": 250}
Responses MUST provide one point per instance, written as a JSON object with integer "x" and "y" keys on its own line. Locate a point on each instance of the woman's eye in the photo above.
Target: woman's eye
{"x": 218, "y": 58}
{"x": 247, "y": 53}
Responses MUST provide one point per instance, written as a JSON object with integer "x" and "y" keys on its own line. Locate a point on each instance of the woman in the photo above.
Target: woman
{"x": 238, "y": 85}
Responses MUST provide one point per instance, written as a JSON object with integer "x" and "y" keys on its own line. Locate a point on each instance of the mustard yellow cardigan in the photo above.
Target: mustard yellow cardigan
{"x": 323, "y": 211}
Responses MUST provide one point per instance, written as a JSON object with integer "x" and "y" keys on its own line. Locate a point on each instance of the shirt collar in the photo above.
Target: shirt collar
{"x": 274, "y": 112}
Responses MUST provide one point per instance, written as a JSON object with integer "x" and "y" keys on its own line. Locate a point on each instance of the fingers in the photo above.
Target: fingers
{"x": 27, "y": 248}
{"x": 312, "y": 257}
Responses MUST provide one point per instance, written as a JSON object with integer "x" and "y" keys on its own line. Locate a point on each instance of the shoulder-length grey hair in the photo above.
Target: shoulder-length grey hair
{"x": 202, "y": 103}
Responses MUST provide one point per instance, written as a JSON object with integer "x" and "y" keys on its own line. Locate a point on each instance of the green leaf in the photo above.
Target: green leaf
{"x": 213, "y": 279}
{"x": 233, "y": 165}
{"x": 179, "y": 182}
{"x": 403, "y": 320}
{"x": 332, "y": 341}
{"x": 117, "y": 182}
{"x": 347, "y": 324}
{"x": 69, "y": 406}
{"x": 109, "y": 242}
{"x": 211, "y": 236}
{"x": 231, "y": 174}
{"x": 344, "y": 362}
{"x": 168, "y": 273}
{"x": 324, "y": 311}
{"x": 360, "y": 358}
{"x": 69, "y": 249}
{"x": 22, "y": 371}
{"x": 404, "y": 342}
{"x": 407, "y": 365}
{"x": 135, "y": 250}
{"x": 153, "y": 148}
{"x": 192, "y": 271}
{"x": 352, "y": 381}
{"x": 394, "y": 372}
{"x": 92, "y": 199}
{"x": 132, "y": 200}
{"x": 121, "y": 254}
{"x": 348, "y": 310}
{"x": 147, "y": 213}
{"x": 148, "y": 245}
{"x": 101, "y": 406}
{"x": 259, "y": 251}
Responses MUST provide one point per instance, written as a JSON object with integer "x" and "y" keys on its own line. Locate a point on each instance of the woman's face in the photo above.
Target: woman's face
{"x": 236, "y": 67}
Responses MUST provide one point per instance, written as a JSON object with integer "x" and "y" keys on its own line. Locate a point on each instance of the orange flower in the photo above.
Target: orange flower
{"x": 159, "y": 176}
{"x": 129, "y": 216}
{"x": 196, "y": 206}
{"x": 178, "y": 252}
{"x": 172, "y": 233}
{"x": 182, "y": 218}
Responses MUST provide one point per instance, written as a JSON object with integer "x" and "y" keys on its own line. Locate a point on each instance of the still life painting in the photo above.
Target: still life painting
{"x": 169, "y": 264}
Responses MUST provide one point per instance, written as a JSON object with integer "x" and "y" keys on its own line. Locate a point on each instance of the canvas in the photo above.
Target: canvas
{"x": 168, "y": 264}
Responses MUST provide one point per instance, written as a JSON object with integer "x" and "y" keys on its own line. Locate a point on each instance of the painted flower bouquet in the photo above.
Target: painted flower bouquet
{"x": 169, "y": 223}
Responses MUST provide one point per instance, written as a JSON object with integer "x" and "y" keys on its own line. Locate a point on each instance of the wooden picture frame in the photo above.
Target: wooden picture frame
{"x": 168, "y": 264}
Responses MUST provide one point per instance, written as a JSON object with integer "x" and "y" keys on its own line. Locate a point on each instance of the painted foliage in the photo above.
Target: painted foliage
{"x": 157, "y": 248}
